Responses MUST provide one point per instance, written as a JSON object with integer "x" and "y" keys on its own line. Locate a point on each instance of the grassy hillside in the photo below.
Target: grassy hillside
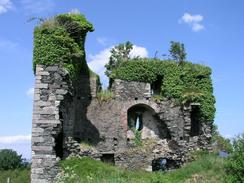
{"x": 207, "y": 169}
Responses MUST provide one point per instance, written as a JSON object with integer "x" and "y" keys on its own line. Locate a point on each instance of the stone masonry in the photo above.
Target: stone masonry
{"x": 68, "y": 114}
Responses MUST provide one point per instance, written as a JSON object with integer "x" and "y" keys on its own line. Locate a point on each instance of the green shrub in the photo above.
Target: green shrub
{"x": 10, "y": 160}
{"x": 177, "y": 79}
{"x": 234, "y": 165}
{"x": 137, "y": 140}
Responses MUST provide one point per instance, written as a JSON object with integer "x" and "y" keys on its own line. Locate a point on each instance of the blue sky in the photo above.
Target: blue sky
{"x": 212, "y": 31}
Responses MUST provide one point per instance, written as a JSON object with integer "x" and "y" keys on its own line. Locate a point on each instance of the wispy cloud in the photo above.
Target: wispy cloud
{"x": 37, "y": 6}
{"x": 30, "y": 92}
{"x": 97, "y": 62}
{"x": 102, "y": 41}
{"x": 14, "y": 139}
{"x": 194, "y": 21}
{"x": 5, "y": 5}
{"x": 7, "y": 44}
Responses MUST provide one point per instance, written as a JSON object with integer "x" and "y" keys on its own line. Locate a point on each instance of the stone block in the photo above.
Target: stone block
{"x": 37, "y": 130}
{"x": 52, "y": 68}
{"x": 61, "y": 92}
{"x": 44, "y": 73}
{"x": 41, "y": 85}
{"x": 42, "y": 148}
{"x": 43, "y": 121}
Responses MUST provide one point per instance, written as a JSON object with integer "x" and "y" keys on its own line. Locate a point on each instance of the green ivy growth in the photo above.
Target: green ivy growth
{"x": 179, "y": 81}
{"x": 60, "y": 40}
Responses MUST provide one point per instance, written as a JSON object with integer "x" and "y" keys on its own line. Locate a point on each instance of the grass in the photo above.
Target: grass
{"x": 16, "y": 176}
{"x": 207, "y": 169}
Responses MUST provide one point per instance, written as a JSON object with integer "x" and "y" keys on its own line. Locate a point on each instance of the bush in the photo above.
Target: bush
{"x": 10, "y": 160}
{"x": 234, "y": 165}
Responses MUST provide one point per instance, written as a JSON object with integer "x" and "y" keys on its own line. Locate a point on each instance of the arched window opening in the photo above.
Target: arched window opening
{"x": 135, "y": 118}
{"x": 138, "y": 125}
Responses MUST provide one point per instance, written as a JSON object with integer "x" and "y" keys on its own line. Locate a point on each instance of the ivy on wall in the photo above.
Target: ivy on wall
{"x": 179, "y": 81}
{"x": 60, "y": 40}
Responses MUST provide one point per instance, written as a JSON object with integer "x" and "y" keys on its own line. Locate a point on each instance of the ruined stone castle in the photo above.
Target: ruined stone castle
{"x": 68, "y": 114}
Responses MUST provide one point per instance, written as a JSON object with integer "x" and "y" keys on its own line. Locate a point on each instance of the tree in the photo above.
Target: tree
{"x": 10, "y": 160}
{"x": 177, "y": 51}
{"x": 220, "y": 143}
{"x": 118, "y": 54}
{"x": 234, "y": 166}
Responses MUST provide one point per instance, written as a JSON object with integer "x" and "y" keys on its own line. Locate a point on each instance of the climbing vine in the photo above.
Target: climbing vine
{"x": 185, "y": 83}
{"x": 60, "y": 40}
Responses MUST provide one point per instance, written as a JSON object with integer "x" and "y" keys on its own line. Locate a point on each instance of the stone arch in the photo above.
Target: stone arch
{"x": 151, "y": 126}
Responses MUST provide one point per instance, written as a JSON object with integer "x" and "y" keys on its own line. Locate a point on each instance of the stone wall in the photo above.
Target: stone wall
{"x": 59, "y": 112}
{"x": 131, "y": 90}
{"x": 51, "y": 88}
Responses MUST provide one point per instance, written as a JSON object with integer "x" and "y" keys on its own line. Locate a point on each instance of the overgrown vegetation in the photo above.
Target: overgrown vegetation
{"x": 105, "y": 95}
{"x": 157, "y": 98}
{"x": 177, "y": 80}
{"x": 234, "y": 165}
{"x": 137, "y": 140}
{"x": 208, "y": 168}
{"x": 60, "y": 40}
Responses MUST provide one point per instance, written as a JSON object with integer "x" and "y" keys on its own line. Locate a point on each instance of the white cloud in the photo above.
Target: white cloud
{"x": 75, "y": 11}
{"x": 98, "y": 61}
{"x": 5, "y": 5}
{"x": 197, "y": 27}
{"x": 15, "y": 139}
{"x": 188, "y": 18}
{"x": 194, "y": 21}
{"x": 138, "y": 51}
{"x": 37, "y": 6}
{"x": 102, "y": 40}
{"x": 30, "y": 92}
